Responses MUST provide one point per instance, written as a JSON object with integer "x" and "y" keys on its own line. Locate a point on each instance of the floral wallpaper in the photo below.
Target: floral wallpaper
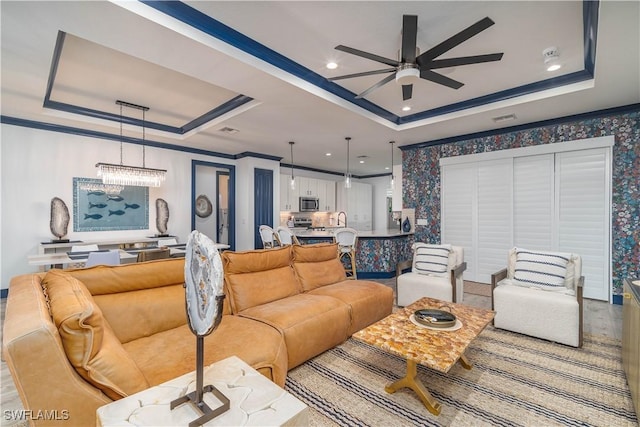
{"x": 421, "y": 178}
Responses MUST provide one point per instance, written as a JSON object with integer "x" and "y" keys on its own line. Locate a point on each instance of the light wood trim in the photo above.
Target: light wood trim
{"x": 495, "y": 278}
{"x": 579, "y": 290}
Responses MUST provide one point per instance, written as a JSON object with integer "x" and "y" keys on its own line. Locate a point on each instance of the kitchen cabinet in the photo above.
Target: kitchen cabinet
{"x": 288, "y": 197}
{"x": 307, "y": 187}
{"x": 357, "y": 202}
{"x": 631, "y": 340}
{"x": 327, "y": 195}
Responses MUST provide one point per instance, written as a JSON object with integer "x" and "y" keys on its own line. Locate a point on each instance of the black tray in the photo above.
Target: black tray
{"x": 435, "y": 318}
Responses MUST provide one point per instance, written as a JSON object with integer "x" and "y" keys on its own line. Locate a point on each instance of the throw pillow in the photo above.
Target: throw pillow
{"x": 543, "y": 270}
{"x": 431, "y": 260}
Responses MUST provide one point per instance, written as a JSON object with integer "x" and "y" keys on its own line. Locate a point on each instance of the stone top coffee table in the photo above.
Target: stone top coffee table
{"x": 434, "y": 348}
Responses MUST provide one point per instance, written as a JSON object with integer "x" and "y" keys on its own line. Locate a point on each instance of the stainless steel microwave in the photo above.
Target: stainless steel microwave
{"x": 309, "y": 204}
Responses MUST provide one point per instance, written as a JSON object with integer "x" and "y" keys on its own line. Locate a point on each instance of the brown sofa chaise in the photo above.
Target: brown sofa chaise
{"x": 75, "y": 340}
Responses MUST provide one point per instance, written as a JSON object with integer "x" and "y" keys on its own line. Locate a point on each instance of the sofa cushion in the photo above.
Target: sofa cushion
{"x": 432, "y": 260}
{"x": 258, "y": 277}
{"x": 317, "y": 265}
{"x": 368, "y": 301}
{"x": 538, "y": 269}
{"x": 310, "y": 324}
{"x": 88, "y": 340}
{"x": 260, "y": 345}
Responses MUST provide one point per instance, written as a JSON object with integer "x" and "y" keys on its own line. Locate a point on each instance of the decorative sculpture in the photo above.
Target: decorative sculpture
{"x": 59, "y": 220}
{"x": 204, "y": 295}
{"x": 162, "y": 217}
{"x": 204, "y": 208}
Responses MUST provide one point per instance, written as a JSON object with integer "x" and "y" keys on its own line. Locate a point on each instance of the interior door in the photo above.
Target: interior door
{"x": 263, "y": 202}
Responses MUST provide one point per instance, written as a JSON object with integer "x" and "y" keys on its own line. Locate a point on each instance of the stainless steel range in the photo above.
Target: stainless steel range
{"x": 302, "y": 222}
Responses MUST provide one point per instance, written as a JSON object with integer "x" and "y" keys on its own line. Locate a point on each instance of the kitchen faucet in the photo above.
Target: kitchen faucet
{"x": 345, "y": 218}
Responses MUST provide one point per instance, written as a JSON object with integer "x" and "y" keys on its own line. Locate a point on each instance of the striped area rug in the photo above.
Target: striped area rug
{"x": 516, "y": 380}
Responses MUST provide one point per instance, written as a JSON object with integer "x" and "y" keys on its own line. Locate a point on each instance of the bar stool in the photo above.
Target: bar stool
{"x": 286, "y": 236}
{"x": 347, "y": 239}
{"x": 269, "y": 237}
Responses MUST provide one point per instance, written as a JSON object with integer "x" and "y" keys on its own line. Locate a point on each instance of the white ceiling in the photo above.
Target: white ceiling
{"x": 132, "y": 52}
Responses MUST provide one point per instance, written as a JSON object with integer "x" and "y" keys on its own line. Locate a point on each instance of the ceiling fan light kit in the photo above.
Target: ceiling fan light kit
{"x": 408, "y": 75}
{"x": 412, "y": 66}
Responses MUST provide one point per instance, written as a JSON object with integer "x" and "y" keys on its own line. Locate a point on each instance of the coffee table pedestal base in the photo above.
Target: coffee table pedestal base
{"x": 411, "y": 381}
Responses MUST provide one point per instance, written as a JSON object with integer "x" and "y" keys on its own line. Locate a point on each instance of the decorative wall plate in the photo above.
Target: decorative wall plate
{"x": 203, "y": 206}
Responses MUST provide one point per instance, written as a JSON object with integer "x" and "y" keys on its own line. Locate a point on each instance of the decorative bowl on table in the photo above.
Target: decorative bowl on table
{"x": 435, "y": 318}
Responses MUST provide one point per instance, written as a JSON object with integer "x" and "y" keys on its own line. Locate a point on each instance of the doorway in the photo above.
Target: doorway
{"x": 213, "y": 202}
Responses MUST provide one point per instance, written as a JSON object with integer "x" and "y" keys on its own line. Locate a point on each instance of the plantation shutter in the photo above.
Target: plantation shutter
{"x": 583, "y": 212}
{"x": 533, "y": 202}
{"x": 457, "y": 213}
{"x": 494, "y": 218}
{"x": 555, "y": 197}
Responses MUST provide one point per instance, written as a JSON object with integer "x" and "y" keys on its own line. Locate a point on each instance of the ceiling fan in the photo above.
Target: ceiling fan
{"x": 411, "y": 67}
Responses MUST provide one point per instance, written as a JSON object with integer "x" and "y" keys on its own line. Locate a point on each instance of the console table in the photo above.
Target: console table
{"x": 254, "y": 401}
{"x": 47, "y": 248}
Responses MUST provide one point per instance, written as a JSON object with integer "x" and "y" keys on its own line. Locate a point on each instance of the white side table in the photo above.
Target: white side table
{"x": 255, "y": 401}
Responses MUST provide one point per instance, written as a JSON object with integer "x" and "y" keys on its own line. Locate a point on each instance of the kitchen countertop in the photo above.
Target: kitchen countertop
{"x": 318, "y": 234}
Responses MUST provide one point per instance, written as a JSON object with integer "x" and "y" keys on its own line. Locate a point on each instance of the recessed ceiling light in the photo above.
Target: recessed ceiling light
{"x": 327, "y": 154}
{"x": 406, "y": 108}
{"x": 386, "y": 168}
{"x": 332, "y": 65}
{"x": 361, "y": 161}
{"x": 551, "y": 59}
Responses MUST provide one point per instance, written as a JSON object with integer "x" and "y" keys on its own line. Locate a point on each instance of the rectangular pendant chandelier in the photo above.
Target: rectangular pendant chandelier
{"x": 130, "y": 175}
{"x": 121, "y": 175}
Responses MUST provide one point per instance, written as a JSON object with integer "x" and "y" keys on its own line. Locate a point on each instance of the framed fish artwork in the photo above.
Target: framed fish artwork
{"x": 95, "y": 209}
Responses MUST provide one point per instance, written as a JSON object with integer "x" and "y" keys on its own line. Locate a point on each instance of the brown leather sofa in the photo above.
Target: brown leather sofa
{"x": 75, "y": 340}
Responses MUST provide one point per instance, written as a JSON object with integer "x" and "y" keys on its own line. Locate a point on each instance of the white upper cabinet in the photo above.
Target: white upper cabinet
{"x": 327, "y": 195}
{"x": 307, "y": 187}
{"x": 357, "y": 202}
{"x": 288, "y": 197}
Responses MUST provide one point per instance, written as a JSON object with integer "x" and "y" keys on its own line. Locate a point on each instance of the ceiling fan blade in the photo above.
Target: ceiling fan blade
{"x": 366, "y": 73}
{"x": 409, "y": 33}
{"x": 455, "y": 40}
{"x": 376, "y": 86}
{"x": 439, "y": 78}
{"x": 464, "y": 60}
{"x": 368, "y": 55}
{"x": 406, "y": 92}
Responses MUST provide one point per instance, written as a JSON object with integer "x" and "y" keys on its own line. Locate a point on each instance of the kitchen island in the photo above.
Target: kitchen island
{"x": 377, "y": 253}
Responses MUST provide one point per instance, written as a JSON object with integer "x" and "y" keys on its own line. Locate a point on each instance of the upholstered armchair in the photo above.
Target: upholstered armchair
{"x": 540, "y": 294}
{"x": 436, "y": 272}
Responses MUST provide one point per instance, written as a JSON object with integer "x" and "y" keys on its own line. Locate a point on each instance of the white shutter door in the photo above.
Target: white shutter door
{"x": 458, "y": 185}
{"x": 533, "y": 202}
{"x": 582, "y": 198}
{"x": 494, "y": 217}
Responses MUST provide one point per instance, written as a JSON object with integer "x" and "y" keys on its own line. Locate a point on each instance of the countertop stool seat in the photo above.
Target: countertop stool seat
{"x": 347, "y": 240}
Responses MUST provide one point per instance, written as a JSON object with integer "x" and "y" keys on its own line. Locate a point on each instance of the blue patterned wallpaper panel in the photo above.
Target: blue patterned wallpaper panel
{"x": 421, "y": 178}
